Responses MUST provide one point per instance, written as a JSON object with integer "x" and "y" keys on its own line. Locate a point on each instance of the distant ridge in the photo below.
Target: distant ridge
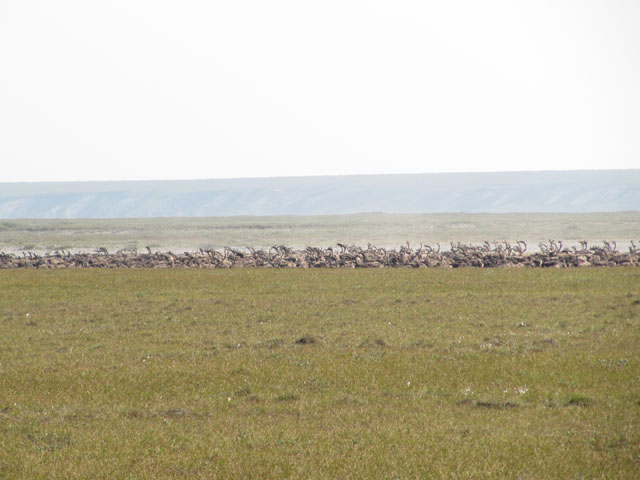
{"x": 548, "y": 191}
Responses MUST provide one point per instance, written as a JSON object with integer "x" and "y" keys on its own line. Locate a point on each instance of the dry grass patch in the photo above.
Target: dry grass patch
{"x": 320, "y": 374}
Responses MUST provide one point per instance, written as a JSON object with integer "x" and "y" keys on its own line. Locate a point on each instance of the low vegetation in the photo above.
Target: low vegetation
{"x": 385, "y": 230}
{"x": 324, "y": 373}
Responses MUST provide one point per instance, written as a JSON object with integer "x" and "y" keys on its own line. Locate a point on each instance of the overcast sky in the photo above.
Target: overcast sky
{"x": 132, "y": 89}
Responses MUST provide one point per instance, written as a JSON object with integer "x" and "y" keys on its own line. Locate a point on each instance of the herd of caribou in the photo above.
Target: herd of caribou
{"x": 552, "y": 254}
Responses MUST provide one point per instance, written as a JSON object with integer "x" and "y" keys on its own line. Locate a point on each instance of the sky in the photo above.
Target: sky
{"x": 156, "y": 89}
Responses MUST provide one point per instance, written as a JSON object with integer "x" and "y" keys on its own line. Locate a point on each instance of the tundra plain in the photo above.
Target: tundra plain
{"x": 383, "y": 230}
{"x": 324, "y": 373}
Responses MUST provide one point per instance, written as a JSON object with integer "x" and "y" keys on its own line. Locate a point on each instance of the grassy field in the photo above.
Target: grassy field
{"x": 343, "y": 374}
{"x": 179, "y": 234}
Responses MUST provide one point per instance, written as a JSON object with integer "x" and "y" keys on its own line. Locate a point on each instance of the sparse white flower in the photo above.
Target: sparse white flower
{"x": 228, "y": 399}
{"x": 408, "y": 384}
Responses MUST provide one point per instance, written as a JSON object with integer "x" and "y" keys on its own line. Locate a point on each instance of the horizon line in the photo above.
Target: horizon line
{"x": 582, "y": 170}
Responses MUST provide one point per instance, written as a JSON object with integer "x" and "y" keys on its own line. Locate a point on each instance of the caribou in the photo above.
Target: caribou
{"x": 551, "y": 254}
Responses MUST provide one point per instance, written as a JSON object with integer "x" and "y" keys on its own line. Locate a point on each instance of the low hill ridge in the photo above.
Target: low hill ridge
{"x": 546, "y": 191}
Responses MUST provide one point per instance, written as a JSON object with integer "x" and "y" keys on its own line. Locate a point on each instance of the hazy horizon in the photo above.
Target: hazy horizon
{"x": 486, "y": 192}
{"x": 196, "y": 179}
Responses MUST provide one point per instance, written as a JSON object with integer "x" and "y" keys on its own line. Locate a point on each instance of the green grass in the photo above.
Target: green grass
{"x": 181, "y": 234}
{"x": 320, "y": 374}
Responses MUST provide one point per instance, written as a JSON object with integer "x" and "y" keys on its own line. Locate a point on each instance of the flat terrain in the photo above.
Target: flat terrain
{"x": 320, "y": 374}
{"x": 385, "y": 230}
